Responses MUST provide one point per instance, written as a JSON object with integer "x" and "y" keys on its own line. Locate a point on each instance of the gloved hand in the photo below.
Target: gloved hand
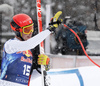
{"x": 54, "y": 22}
{"x": 43, "y": 59}
{"x": 51, "y": 28}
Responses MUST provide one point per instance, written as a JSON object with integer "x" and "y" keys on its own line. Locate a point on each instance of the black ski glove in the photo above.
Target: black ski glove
{"x": 51, "y": 28}
{"x": 55, "y": 22}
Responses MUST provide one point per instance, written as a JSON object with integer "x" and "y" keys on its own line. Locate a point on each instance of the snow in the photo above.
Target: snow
{"x": 82, "y": 76}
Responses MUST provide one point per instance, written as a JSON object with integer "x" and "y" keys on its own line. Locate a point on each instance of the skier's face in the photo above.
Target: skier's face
{"x": 26, "y": 36}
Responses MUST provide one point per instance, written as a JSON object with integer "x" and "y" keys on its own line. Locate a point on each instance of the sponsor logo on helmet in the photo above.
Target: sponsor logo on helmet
{"x": 29, "y": 21}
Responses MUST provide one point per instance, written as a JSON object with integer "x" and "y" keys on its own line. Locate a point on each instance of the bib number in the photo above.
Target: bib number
{"x": 26, "y": 70}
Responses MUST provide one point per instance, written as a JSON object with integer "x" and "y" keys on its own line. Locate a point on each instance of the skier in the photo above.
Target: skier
{"x": 17, "y": 58}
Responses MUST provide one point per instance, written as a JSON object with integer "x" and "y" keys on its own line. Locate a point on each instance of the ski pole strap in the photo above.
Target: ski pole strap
{"x": 57, "y": 22}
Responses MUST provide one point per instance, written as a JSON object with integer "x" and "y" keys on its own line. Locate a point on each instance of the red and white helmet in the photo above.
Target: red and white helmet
{"x": 20, "y": 20}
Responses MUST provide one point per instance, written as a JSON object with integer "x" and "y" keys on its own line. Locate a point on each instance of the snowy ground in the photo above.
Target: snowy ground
{"x": 83, "y": 76}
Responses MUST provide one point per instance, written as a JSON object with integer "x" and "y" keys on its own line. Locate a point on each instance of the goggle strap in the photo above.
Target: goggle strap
{"x": 16, "y": 29}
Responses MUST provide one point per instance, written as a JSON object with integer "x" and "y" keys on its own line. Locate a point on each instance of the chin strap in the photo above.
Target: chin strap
{"x": 21, "y": 36}
{"x": 18, "y": 35}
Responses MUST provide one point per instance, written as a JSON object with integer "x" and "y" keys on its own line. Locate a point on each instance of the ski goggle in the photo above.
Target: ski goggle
{"x": 28, "y": 29}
